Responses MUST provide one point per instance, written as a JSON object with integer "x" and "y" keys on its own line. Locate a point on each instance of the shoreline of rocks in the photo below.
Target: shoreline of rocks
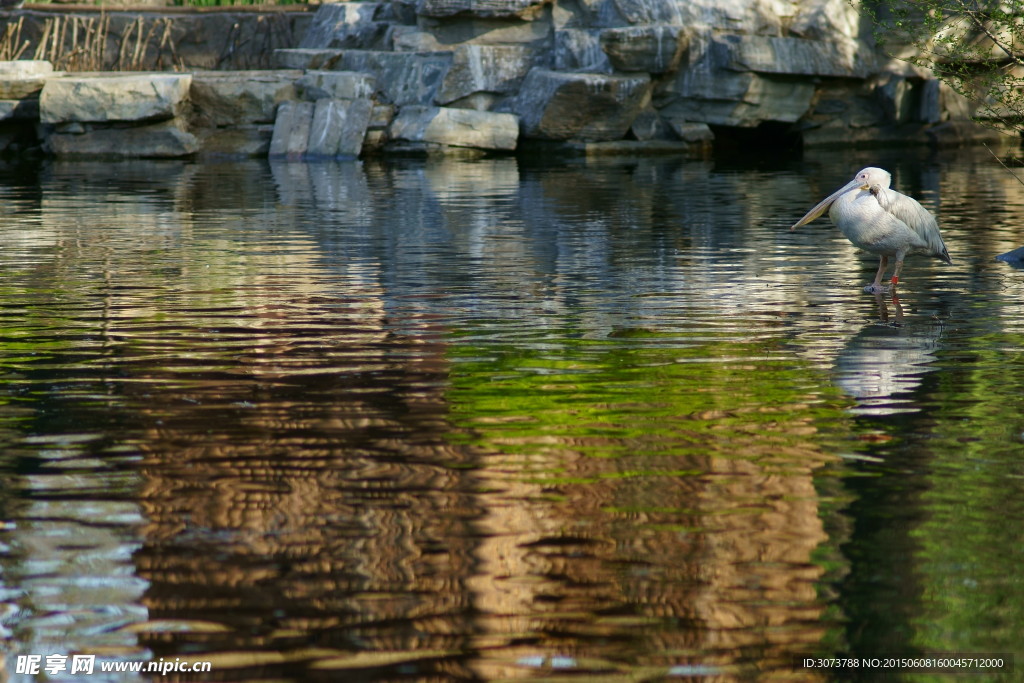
{"x": 458, "y": 77}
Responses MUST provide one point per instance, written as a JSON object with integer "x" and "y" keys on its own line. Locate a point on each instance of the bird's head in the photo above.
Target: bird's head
{"x": 866, "y": 177}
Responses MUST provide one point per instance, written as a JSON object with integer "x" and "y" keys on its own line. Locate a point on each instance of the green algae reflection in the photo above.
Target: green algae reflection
{"x": 658, "y": 478}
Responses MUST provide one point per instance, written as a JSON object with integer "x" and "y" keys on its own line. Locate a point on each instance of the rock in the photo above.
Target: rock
{"x": 114, "y": 97}
{"x": 236, "y": 141}
{"x": 743, "y": 99}
{"x": 337, "y": 85}
{"x": 300, "y": 58}
{"x": 692, "y": 132}
{"x": 476, "y": 31}
{"x": 19, "y": 110}
{"x": 580, "y": 50}
{"x": 412, "y": 39}
{"x": 898, "y": 100}
{"x": 291, "y": 130}
{"x": 487, "y": 9}
{"x": 1016, "y": 256}
{"x": 930, "y": 106}
{"x": 402, "y": 77}
{"x": 241, "y": 97}
{"x": 648, "y": 125}
{"x": 361, "y": 25}
{"x": 25, "y": 68}
{"x": 338, "y": 127}
{"x": 456, "y": 128}
{"x": 485, "y": 68}
{"x": 553, "y": 105}
{"x": 655, "y": 48}
{"x": 166, "y": 139}
{"x": 22, "y": 78}
{"x": 796, "y": 56}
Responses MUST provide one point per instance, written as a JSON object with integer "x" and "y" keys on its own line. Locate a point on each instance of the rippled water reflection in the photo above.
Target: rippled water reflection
{"x": 447, "y": 420}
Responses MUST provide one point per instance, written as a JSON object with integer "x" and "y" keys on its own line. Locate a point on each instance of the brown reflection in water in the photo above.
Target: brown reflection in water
{"x": 307, "y": 499}
{"x": 706, "y": 563}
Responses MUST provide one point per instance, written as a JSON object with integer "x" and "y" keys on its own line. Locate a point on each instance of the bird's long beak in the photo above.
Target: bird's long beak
{"x": 822, "y": 206}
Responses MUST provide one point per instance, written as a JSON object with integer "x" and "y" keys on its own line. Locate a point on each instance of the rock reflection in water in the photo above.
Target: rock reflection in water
{"x": 447, "y": 420}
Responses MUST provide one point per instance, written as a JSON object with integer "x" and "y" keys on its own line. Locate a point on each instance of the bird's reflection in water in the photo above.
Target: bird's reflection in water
{"x": 883, "y": 308}
{"x": 882, "y": 365}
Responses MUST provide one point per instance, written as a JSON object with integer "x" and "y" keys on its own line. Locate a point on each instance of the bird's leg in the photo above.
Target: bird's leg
{"x": 896, "y": 273}
{"x": 876, "y": 286}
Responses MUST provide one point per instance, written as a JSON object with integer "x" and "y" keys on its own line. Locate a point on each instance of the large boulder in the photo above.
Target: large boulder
{"x": 795, "y": 56}
{"x": 485, "y": 68}
{"x": 114, "y": 97}
{"x": 402, "y": 77}
{"x": 227, "y": 98}
{"x": 554, "y": 105}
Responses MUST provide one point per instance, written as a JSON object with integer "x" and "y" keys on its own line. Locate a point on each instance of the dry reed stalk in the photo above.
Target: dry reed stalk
{"x": 11, "y": 45}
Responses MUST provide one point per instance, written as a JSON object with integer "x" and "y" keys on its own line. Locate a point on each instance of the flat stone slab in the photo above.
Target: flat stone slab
{"x": 166, "y": 139}
{"x": 456, "y": 128}
{"x": 114, "y": 97}
{"x": 795, "y": 56}
{"x": 227, "y": 98}
{"x": 487, "y": 9}
{"x": 25, "y": 68}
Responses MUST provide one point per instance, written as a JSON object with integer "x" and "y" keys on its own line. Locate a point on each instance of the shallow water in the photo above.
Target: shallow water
{"x": 443, "y": 420}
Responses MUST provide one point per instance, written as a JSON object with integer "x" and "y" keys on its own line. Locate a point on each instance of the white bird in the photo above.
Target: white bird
{"x": 881, "y": 221}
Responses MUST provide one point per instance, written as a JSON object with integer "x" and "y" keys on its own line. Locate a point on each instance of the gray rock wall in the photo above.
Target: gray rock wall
{"x": 589, "y": 76}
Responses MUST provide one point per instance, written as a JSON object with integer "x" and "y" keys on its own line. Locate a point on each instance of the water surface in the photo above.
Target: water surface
{"x": 449, "y": 420}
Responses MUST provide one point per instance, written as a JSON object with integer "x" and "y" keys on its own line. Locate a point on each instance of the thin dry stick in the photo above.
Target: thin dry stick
{"x": 140, "y": 49}
{"x": 1015, "y": 176}
{"x": 123, "y": 49}
{"x": 41, "y": 47}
